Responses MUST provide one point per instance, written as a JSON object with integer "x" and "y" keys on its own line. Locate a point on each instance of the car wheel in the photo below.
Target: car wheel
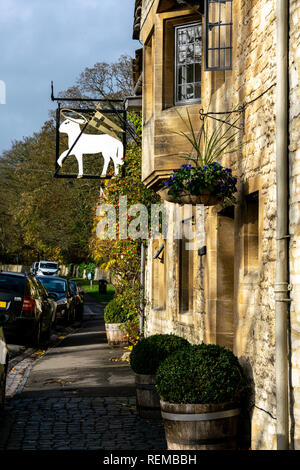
{"x": 54, "y": 323}
{"x": 66, "y": 317}
{"x": 36, "y": 340}
{"x": 46, "y": 335}
{"x": 71, "y": 316}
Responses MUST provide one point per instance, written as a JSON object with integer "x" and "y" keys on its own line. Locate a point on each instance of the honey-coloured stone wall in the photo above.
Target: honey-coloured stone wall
{"x": 232, "y": 288}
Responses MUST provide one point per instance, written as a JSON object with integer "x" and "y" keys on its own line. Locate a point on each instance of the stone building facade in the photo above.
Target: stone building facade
{"x": 225, "y": 292}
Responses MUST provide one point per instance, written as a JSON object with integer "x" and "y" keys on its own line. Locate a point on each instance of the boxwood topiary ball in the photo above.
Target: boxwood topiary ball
{"x": 114, "y": 312}
{"x": 148, "y": 353}
{"x": 204, "y": 373}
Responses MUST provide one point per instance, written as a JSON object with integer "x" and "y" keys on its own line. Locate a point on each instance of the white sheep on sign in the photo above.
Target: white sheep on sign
{"x": 109, "y": 147}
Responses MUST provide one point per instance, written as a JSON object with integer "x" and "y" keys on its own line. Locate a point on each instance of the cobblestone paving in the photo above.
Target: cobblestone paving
{"x": 71, "y": 422}
{"x": 78, "y": 423}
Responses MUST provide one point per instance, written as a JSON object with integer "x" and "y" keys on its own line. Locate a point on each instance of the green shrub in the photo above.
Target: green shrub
{"x": 148, "y": 353}
{"x": 200, "y": 374}
{"x": 114, "y": 311}
{"x": 81, "y": 269}
{"x": 90, "y": 268}
{"x": 130, "y": 299}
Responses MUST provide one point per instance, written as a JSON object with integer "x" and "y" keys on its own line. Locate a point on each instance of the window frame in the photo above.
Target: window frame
{"x": 175, "y": 87}
{"x": 218, "y": 25}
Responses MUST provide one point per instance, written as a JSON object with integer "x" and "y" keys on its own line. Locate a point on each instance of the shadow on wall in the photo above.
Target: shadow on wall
{"x": 247, "y": 405}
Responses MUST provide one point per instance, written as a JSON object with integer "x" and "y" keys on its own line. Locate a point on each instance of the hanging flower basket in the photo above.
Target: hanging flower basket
{"x": 208, "y": 184}
{"x": 206, "y": 198}
{"x": 204, "y": 181}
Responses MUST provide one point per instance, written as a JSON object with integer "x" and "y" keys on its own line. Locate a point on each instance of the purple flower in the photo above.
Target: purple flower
{"x": 188, "y": 167}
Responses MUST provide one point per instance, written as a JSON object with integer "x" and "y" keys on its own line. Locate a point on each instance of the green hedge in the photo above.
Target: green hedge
{"x": 148, "y": 353}
{"x": 200, "y": 374}
{"x": 114, "y": 311}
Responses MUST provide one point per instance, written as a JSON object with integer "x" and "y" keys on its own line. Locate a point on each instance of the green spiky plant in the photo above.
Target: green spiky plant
{"x": 208, "y": 146}
{"x": 205, "y": 173}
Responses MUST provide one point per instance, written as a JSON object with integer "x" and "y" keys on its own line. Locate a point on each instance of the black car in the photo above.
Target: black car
{"x": 65, "y": 299}
{"x": 29, "y": 308}
{"x": 79, "y": 300}
{"x": 3, "y": 361}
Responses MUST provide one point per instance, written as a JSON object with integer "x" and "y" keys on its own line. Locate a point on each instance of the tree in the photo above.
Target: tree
{"x": 52, "y": 218}
{"x": 122, "y": 256}
{"x": 107, "y": 80}
{"x": 103, "y": 81}
{"x": 41, "y": 216}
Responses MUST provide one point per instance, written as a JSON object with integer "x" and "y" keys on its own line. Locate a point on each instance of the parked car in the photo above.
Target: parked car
{"x": 79, "y": 300}
{"x": 34, "y": 267}
{"x": 3, "y": 360}
{"x": 29, "y": 307}
{"x": 65, "y": 299}
{"x": 47, "y": 268}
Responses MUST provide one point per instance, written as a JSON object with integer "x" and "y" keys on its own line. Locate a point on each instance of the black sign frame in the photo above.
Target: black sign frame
{"x": 119, "y": 111}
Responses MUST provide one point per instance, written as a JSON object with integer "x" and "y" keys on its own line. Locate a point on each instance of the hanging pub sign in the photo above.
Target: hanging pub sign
{"x": 90, "y": 142}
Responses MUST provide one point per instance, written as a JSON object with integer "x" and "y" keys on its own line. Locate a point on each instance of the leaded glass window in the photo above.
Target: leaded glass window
{"x": 218, "y": 34}
{"x": 188, "y": 57}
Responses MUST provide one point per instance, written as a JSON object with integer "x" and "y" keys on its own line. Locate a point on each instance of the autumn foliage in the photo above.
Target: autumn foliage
{"x": 122, "y": 256}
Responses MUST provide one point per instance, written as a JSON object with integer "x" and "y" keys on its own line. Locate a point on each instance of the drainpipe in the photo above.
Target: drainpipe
{"x": 142, "y": 284}
{"x": 282, "y": 256}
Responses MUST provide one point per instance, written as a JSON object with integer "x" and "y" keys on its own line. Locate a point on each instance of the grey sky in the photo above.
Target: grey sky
{"x": 44, "y": 40}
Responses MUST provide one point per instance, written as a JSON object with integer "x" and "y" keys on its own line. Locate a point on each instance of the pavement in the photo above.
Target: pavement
{"x": 72, "y": 396}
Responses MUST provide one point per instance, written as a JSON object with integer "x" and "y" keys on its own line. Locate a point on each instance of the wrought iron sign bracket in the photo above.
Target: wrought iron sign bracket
{"x": 240, "y": 109}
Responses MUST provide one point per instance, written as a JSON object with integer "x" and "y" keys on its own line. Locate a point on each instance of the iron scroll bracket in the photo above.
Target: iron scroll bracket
{"x": 240, "y": 109}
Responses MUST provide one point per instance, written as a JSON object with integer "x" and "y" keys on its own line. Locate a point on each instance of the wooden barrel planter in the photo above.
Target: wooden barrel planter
{"x": 115, "y": 336}
{"x": 147, "y": 398}
{"x": 200, "y": 427}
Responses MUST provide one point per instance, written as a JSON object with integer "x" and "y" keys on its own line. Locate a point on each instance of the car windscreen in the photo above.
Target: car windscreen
{"x": 54, "y": 285}
{"x": 48, "y": 265}
{"x": 73, "y": 286}
{"x": 12, "y": 284}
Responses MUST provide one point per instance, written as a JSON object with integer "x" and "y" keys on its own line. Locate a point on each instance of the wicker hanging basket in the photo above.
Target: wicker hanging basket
{"x": 206, "y": 198}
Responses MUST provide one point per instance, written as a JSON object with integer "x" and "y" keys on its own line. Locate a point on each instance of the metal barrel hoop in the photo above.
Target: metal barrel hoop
{"x": 201, "y": 416}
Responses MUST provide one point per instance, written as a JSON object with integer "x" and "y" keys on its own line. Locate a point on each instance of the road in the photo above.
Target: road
{"x": 73, "y": 397}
